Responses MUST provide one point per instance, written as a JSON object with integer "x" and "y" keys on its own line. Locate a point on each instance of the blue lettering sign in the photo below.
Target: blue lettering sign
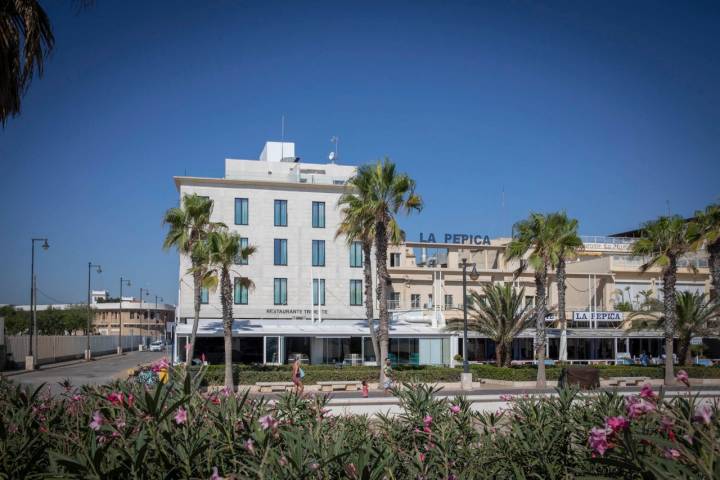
{"x": 459, "y": 238}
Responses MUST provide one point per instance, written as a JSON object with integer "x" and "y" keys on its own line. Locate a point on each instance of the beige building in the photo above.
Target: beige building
{"x": 147, "y": 319}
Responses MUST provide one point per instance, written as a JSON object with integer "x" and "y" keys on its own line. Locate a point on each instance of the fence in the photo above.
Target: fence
{"x": 56, "y": 348}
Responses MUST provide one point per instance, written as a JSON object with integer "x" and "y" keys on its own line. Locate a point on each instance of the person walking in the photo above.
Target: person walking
{"x": 297, "y": 375}
{"x": 388, "y": 373}
{"x": 365, "y": 389}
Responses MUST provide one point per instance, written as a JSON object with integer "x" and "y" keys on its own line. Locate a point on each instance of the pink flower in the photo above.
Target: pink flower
{"x": 672, "y": 453}
{"x": 682, "y": 376}
{"x": 617, "y": 423}
{"x": 427, "y": 430}
{"x": 647, "y": 391}
{"x": 506, "y": 398}
{"x": 427, "y": 420}
{"x": 116, "y": 398}
{"x": 703, "y": 414}
{"x": 97, "y": 420}
{"x": 268, "y": 422}
{"x": 455, "y": 409}
{"x": 598, "y": 440}
{"x": 421, "y": 457}
{"x": 163, "y": 364}
{"x": 637, "y": 406}
{"x": 181, "y": 416}
{"x": 250, "y": 445}
{"x": 314, "y": 466}
{"x": 188, "y": 346}
{"x": 667, "y": 423}
{"x": 283, "y": 461}
{"x": 215, "y": 475}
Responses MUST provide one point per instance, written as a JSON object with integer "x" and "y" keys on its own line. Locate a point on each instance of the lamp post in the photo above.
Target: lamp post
{"x": 123, "y": 282}
{"x": 88, "y": 352}
{"x": 466, "y": 376}
{"x": 157, "y": 314}
{"x": 140, "y": 311}
{"x": 31, "y": 359}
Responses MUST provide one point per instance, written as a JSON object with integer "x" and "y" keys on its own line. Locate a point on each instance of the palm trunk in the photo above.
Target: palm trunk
{"x": 540, "y": 285}
{"x": 197, "y": 286}
{"x": 684, "y": 352}
{"x": 367, "y": 272}
{"x": 560, "y": 278}
{"x": 226, "y": 299}
{"x": 381, "y": 245}
{"x": 669, "y": 305}
{"x": 714, "y": 266}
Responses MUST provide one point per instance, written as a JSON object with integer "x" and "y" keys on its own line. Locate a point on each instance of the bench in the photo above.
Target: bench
{"x": 266, "y": 387}
{"x": 349, "y": 385}
{"x": 627, "y": 381}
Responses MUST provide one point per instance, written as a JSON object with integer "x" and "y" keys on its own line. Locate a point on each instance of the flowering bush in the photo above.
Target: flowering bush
{"x": 174, "y": 430}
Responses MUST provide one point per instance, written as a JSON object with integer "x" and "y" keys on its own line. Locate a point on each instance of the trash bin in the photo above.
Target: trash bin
{"x": 586, "y": 378}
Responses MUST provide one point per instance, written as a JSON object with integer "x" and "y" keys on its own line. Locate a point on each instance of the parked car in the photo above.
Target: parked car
{"x": 157, "y": 346}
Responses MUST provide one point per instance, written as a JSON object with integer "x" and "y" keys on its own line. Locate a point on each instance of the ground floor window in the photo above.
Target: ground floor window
{"x": 338, "y": 350}
{"x": 272, "y": 349}
{"x": 590, "y": 348}
{"x": 368, "y": 350}
{"x": 522, "y": 349}
{"x": 479, "y": 349}
{"x": 295, "y": 346}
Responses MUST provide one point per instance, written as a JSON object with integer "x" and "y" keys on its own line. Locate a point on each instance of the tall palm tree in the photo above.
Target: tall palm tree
{"x": 537, "y": 235}
{"x": 358, "y": 225}
{"x": 697, "y": 316}
{"x": 566, "y": 244}
{"x": 222, "y": 251}
{"x": 388, "y": 193}
{"x": 188, "y": 226}
{"x": 708, "y": 221}
{"x": 663, "y": 241}
{"x": 498, "y": 313}
{"x": 26, "y": 39}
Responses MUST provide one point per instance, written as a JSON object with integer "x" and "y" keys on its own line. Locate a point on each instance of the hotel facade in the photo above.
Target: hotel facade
{"x": 307, "y": 297}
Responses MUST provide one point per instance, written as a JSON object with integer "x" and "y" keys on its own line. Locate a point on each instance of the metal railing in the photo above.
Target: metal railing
{"x": 694, "y": 260}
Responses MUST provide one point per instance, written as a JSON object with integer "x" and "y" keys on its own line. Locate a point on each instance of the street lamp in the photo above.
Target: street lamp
{"x": 141, "y": 312}
{"x": 157, "y": 314}
{"x": 88, "y": 352}
{"x": 123, "y": 282}
{"x": 474, "y": 276}
{"x": 31, "y": 359}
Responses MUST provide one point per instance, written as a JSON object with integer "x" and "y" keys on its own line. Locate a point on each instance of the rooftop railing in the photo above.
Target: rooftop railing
{"x": 694, "y": 260}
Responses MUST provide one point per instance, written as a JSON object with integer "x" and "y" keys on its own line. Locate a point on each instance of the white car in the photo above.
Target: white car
{"x": 157, "y": 346}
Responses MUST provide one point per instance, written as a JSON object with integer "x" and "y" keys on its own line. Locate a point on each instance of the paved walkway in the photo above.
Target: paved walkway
{"x": 79, "y": 372}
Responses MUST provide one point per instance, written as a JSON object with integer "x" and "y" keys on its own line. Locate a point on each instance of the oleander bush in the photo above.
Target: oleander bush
{"x": 130, "y": 430}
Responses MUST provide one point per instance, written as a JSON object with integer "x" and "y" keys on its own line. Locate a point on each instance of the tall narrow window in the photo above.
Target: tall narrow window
{"x": 280, "y": 251}
{"x": 356, "y": 293}
{"x": 241, "y": 211}
{"x": 448, "y": 301}
{"x": 318, "y": 291}
{"x": 280, "y": 291}
{"x": 394, "y": 259}
{"x": 356, "y": 255}
{"x": 415, "y": 300}
{"x": 204, "y": 295}
{"x": 318, "y": 214}
{"x": 281, "y": 213}
{"x": 318, "y": 253}
{"x": 241, "y": 293}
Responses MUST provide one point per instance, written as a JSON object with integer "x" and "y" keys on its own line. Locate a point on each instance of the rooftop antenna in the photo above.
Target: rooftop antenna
{"x": 334, "y": 155}
{"x": 282, "y": 137}
{"x": 502, "y": 210}
{"x": 667, "y": 204}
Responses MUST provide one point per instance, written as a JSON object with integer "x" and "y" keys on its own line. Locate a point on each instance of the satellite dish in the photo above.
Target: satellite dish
{"x": 331, "y": 156}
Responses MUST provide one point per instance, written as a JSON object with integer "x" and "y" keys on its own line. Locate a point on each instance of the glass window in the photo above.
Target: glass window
{"x": 241, "y": 211}
{"x": 280, "y": 251}
{"x": 280, "y": 291}
{"x": 430, "y": 301}
{"x": 394, "y": 301}
{"x": 415, "y": 300}
{"x": 448, "y": 301}
{"x": 319, "y": 291}
{"x": 394, "y": 259}
{"x": 356, "y": 293}
{"x": 318, "y": 253}
{"x": 239, "y": 259}
{"x": 530, "y": 300}
{"x": 356, "y": 254}
{"x": 281, "y": 213}
{"x": 241, "y": 293}
{"x": 204, "y": 295}
{"x": 368, "y": 351}
{"x": 318, "y": 214}
{"x": 272, "y": 349}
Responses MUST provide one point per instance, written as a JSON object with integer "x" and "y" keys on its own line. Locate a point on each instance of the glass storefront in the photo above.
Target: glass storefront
{"x": 337, "y": 350}
{"x": 522, "y": 349}
{"x": 295, "y": 346}
{"x": 591, "y": 348}
{"x": 479, "y": 349}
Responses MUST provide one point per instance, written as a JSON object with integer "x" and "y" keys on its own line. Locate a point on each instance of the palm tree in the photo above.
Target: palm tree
{"x": 566, "y": 243}
{"x": 499, "y": 315}
{"x": 358, "y": 225}
{"x": 536, "y": 234}
{"x": 26, "y": 39}
{"x": 388, "y": 193}
{"x": 221, "y": 251}
{"x": 708, "y": 221}
{"x": 697, "y": 316}
{"x": 189, "y": 225}
{"x": 663, "y": 241}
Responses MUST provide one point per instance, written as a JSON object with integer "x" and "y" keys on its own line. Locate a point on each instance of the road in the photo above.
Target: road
{"x": 102, "y": 370}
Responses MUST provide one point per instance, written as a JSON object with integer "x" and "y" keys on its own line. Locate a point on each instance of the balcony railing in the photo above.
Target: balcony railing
{"x": 695, "y": 260}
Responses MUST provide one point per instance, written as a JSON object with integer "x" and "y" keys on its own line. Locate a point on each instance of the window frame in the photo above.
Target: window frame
{"x": 316, "y": 220}
{"x": 356, "y": 253}
{"x": 316, "y": 253}
{"x": 239, "y": 218}
{"x": 243, "y": 288}
{"x": 278, "y": 222}
{"x": 318, "y": 291}
{"x": 282, "y": 243}
{"x": 204, "y": 295}
{"x": 279, "y": 288}
{"x": 356, "y": 287}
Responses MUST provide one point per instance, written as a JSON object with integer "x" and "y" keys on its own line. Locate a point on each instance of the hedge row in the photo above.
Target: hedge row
{"x": 249, "y": 375}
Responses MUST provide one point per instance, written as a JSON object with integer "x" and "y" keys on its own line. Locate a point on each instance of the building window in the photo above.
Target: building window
{"x": 318, "y": 253}
{"x": 415, "y": 300}
{"x": 132, "y": 315}
{"x": 356, "y": 254}
{"x": 448, "y": 301}
{"x": 356, "y": 293}
{"x": 204, "y": 295}
{"x": 240, "y": 293}
{"x": 318, "y": 291}
{"x": 281, "y": 213}
{"x": 394, "y": 302}
{"x": 239, "y": 259}
{"x": 280, "y": 251}
{"x": 280, "y": 291}
{"x": 318, "y": 214}
{"x": 394, "y": 259}
{"x": 529, "y": 300}
{"x": 430, "y": 301}
{"x": 241, "y": 211}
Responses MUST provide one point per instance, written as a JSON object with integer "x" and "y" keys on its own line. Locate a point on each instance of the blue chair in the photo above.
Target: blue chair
{"x": 703, "y": 362}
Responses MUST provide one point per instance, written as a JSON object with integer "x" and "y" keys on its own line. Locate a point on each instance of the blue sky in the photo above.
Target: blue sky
{"x": 609, "y": 110}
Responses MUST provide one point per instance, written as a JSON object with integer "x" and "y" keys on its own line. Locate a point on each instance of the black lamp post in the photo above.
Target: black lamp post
{"x": 32, "y": 328}
{"x": 474, "y": 276}
{"x": 140, "y": 312}
{"x": 123, "y": 282}
{"x": 157, "y": 314}
{"x": 88, "y": 353}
